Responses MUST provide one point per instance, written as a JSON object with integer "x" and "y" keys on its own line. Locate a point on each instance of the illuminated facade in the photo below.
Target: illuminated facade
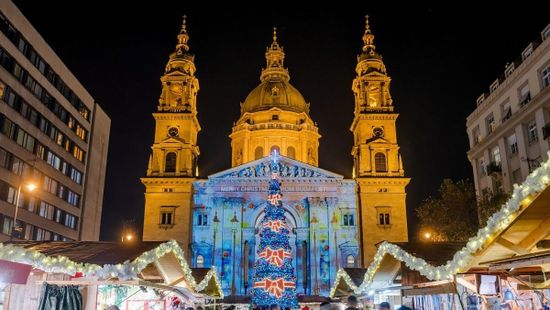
{"x": 218, "y": 217}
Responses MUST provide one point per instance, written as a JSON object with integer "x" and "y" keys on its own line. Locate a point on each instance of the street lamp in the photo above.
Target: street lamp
{"x": 314, "y": 221}
{"x": 216, "y": 221}
{"x": 234, "y": 222}
{"x": 15, "y": 228}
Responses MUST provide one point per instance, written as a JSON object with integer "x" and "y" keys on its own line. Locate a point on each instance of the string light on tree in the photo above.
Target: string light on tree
{"x": 274, "y": 281}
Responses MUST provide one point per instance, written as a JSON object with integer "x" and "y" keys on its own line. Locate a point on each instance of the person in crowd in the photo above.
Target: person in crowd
{"x": 384, "y": 306}
{"x": 352, "y": 303}
{"x": 325, "y": 305}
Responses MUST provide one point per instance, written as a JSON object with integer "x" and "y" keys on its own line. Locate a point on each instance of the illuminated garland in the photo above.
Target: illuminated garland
{"x": 522, "y": 194}
{"x": 124, "y": 271}
{"x": 274, "y": 277}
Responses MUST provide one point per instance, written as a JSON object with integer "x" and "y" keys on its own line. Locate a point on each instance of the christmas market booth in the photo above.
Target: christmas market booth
{"x": 95, "y": 275}
{"x": 506, "y": 262}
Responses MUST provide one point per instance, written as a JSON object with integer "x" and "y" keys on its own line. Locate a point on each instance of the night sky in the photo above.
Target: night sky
{"x": 440, "y": 61}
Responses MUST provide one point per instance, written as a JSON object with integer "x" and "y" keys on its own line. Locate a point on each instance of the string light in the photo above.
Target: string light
{"x": 521, "y": 196}
{"x": 124, "y": 271}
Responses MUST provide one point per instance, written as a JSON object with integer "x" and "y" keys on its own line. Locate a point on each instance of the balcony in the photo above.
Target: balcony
{"x": 494, "y": 168}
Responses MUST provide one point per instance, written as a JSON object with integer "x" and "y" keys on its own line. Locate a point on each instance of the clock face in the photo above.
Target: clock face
{"x": 173, "y": 132}
{"x": 378, "y": 131}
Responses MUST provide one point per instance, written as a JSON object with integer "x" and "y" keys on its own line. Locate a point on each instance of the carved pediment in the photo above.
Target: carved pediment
{"x": 289, "y": 168}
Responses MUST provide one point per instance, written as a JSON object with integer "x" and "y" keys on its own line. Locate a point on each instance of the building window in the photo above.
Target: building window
{"x": 380, "y": 162}
{"x": 480, "y": 99}
{"x": 384, "y": 219}
{"x": 482, "y": 166}
{"x": 532, "y": 135}
{"x": 545, "y": 33}
{"x": 495, "y": 155}
{"x": 524, "y": 95}
{"x": 274, "y": 117}
{"x": 490, "y": 122}
{"x": 506, "y": 111}
{"x": 509, "y": 69}
{"x": 476, "y": 136}
{"x": 546, "y": 76}
{"x": 170, "y": 162}
{"x": 350, "y": 261}
{"x": 200, "y": 261}
{"x": 202, "y": 220}
{"x": 527, "y": 51}
{"x": 512, "y": 144}
{"x": 275, "y": 148}
{"x": 168, "y": 190}
{"x": 167, "y": 216}
{"x": 291, "y": 152}
{"x": 348, "y": 220}
{"x": 259, "y": 152}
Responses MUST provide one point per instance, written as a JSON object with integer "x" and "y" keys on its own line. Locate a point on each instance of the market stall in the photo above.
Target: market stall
{"x": 150, "y": 275}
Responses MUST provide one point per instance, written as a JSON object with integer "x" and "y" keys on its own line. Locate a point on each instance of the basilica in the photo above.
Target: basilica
{"x": 335, "y": 222}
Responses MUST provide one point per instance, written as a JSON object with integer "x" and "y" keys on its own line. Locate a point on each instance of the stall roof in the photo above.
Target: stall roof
{"x": 92, "y": 252}
{"x": 520, "y": 227}
{"x": 435, "y": 253}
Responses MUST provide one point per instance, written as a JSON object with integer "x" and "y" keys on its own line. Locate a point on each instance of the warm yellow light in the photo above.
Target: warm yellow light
{"x": 129, "y": 237}
{"x": 31, "y": 186}
{"x": 427, "y": 235}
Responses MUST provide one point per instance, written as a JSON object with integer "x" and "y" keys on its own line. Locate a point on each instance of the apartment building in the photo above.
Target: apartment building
{"x": 53, "y": 141}
{"x": 510, "y": 127}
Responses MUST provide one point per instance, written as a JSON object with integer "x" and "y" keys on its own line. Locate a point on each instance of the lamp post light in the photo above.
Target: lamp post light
{"x": 313, "y": 222}
{"x": 234, "y": 222}
{"x": 216, "y": 221}
{"x": 14, "y": 227}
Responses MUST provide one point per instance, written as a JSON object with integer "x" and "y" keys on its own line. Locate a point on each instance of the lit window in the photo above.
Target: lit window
{"x": 495, "y": 155}
{"x": 490, "y": 122}
{"x": 200, "y": 261}
{"x": 532, "y": 135}
{"x": 350, "y": 261}
{"x": 512, "y": 144}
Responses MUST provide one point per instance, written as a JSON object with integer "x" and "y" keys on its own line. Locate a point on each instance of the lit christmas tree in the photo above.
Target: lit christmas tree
{"x": 274, "y": 280}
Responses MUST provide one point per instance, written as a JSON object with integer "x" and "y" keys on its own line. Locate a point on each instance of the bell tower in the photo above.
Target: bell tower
{"x": 378, "y": 168}
{"x": 173, "y": 163}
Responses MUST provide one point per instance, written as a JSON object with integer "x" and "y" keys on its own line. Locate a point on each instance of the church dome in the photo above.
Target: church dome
{"x": 273, "y": 93}
{"x": 274, "y": 90}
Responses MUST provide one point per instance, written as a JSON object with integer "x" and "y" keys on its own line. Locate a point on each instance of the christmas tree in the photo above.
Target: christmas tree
{"x": 274, "y": 280}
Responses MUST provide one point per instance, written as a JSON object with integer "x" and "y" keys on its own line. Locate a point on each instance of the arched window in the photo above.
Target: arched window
{"x": 170, "y": 162}
{"x": 351, "y": 221}
{"x": 380, "y": 162}
{"x": 259, "y": 152}
{"x": 350, "y": 261}
{"x": 346, "y": 220}
{"x": 200, "y": 261}
{"x": 291, "y": 152}
{"x": 275, "y": 148}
